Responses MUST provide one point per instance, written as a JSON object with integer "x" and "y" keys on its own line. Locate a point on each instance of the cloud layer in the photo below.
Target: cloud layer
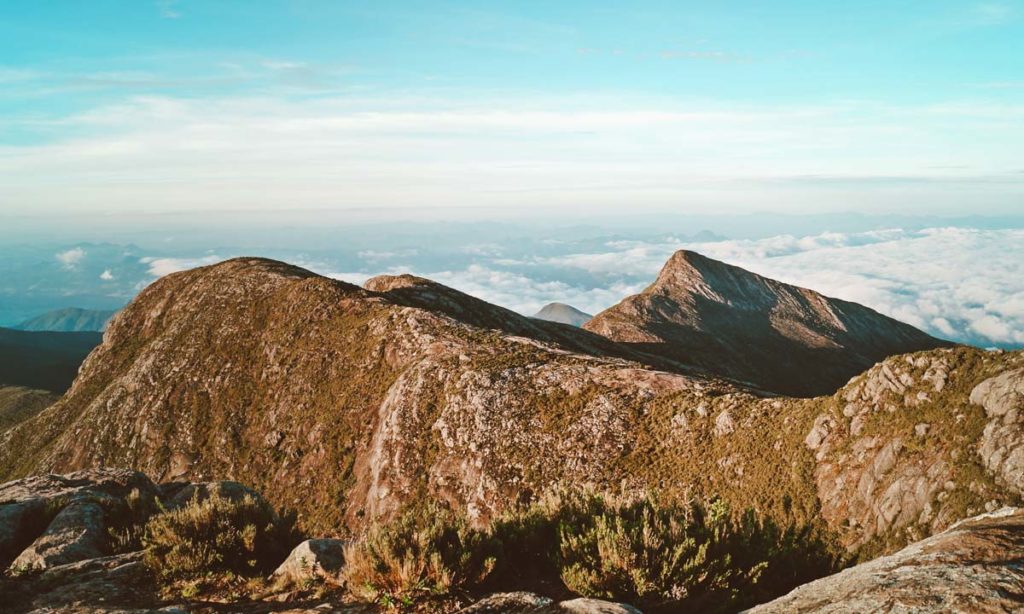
{"x": 957, "y": 283}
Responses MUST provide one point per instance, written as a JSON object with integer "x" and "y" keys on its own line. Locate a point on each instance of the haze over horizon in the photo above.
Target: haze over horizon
{"x": 797, "y": 107}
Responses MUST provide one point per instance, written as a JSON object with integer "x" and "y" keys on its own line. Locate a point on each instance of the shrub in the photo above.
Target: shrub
{"x": 672, "y": 556}
{"x": 424, "y": 552}
{"x": 217, "y": 535}
{"x": 126, "y": 521}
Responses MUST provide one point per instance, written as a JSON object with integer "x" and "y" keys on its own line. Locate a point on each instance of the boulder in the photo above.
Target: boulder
{"x": 313, "y": 559}
{"x": 531, "y": 603}
{"x": 77, "y": 533}
{"x": 52, "y": 519}
{"x": 974, "y": 566}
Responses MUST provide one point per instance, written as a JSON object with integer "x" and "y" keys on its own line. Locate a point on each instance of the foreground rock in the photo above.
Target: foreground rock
{"x": 313, "y": 559}
{"x": 53, "y": 520}
{"x": 529, "y": 603}
{"x": 975, "y": 566}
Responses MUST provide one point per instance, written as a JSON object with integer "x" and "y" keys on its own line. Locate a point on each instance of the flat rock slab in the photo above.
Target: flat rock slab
{"x": 510, "y": 603}
{"x": 531, "y": 603}
{"x": 976, "y": 566}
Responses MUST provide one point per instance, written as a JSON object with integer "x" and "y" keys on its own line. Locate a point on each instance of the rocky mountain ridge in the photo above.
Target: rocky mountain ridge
{"x": 348, "y": 403}
{"x": 737, "y": 324}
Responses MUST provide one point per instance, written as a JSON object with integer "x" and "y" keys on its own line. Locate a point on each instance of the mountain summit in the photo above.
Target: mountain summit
{"x": 738, "y": 324}
{"x": 562, "y": 313}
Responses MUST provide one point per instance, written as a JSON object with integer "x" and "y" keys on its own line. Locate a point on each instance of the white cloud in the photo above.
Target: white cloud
{"x": 957, "y": 283}
{"x": 168, "y": 9}
{"x": 158, "y": 267}
{"x": 962, "y": 284}
{"x": 106, "y": 275}
{"x": 71, "y": 258}
{"x": 346, "y": 152}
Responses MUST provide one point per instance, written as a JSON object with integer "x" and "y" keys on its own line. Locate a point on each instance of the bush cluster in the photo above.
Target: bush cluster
{"x": 657, "y": 555}
{"x": 217, "y": 534}
{"x": 427, "y": 552}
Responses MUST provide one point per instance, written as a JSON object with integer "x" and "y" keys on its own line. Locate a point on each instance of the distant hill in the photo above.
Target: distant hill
{"x": 737, "y": 324}
{"x": 70, "y": 319}
{"x": 562, "y": 313}
{"x": 18, "y": 404}
{"x": 43, "y": 360}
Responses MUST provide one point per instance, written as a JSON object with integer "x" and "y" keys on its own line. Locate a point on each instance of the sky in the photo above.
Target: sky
{"x": 524, "y": 152}
{"x": 537, "y": 108}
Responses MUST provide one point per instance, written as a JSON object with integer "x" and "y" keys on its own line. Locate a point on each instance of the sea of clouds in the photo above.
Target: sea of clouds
{"x": 963, "y": 284}
{"x": 957, "y": 283}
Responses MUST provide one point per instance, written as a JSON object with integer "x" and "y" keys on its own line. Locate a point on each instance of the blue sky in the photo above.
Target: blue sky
{"x": 112, "y": 106}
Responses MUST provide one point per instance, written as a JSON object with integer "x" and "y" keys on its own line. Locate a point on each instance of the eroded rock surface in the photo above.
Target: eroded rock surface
{"x": 1002, "y": 443}
{"x": 896, "y": 450}
{"x": 974, "y": 567}
{"x": 313, "y": 559}
{"x": 52, "y": 520}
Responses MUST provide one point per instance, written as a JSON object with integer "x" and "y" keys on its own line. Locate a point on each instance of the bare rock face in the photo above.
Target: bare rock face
{"x": 895, "y": 450}
{"x": 76, "y": 533}
{"x": 313, "y": 559}
{"x": 529, "y": 603}
{"x": 1002, "y": 443}
{"x": 52, "y": 520}
{"x": 737, "y": 324}
{"x": 975, "y": 566}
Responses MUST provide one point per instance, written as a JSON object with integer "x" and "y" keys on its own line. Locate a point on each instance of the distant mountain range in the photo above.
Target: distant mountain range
{"x": 70, "y": 319}
{"x": 565, "y": 314}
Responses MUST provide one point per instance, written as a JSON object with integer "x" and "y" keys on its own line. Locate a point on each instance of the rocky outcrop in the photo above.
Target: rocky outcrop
{"x": 529, "y": 603}
{"x": 346, "y": 403}
{"x": 774, "y": 336}
{"x": 313, "y": 559}
{"x": 279, "y": 378}
{"x": 975, "y": 566}
{"x": 1002, "y": 442}
{"x": 896, "y": 450}
{"x": 53, "y": 520}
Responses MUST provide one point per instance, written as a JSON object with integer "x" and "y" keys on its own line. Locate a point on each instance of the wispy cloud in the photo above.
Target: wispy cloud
{"x": 993, "y": 13}
{"x": 347, "y": 151}
{"x": 168, "y": 9}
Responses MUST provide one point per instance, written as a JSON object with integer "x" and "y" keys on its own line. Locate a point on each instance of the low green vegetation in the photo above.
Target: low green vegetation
{"x": 216, "y": 537}
{"x": 639, "y": 549}
{"x": 422, "y": 554}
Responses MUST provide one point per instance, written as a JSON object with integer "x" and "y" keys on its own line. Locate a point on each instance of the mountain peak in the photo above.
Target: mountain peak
{"x": 728, "y": 320}
{"x": 563, "y": 313}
